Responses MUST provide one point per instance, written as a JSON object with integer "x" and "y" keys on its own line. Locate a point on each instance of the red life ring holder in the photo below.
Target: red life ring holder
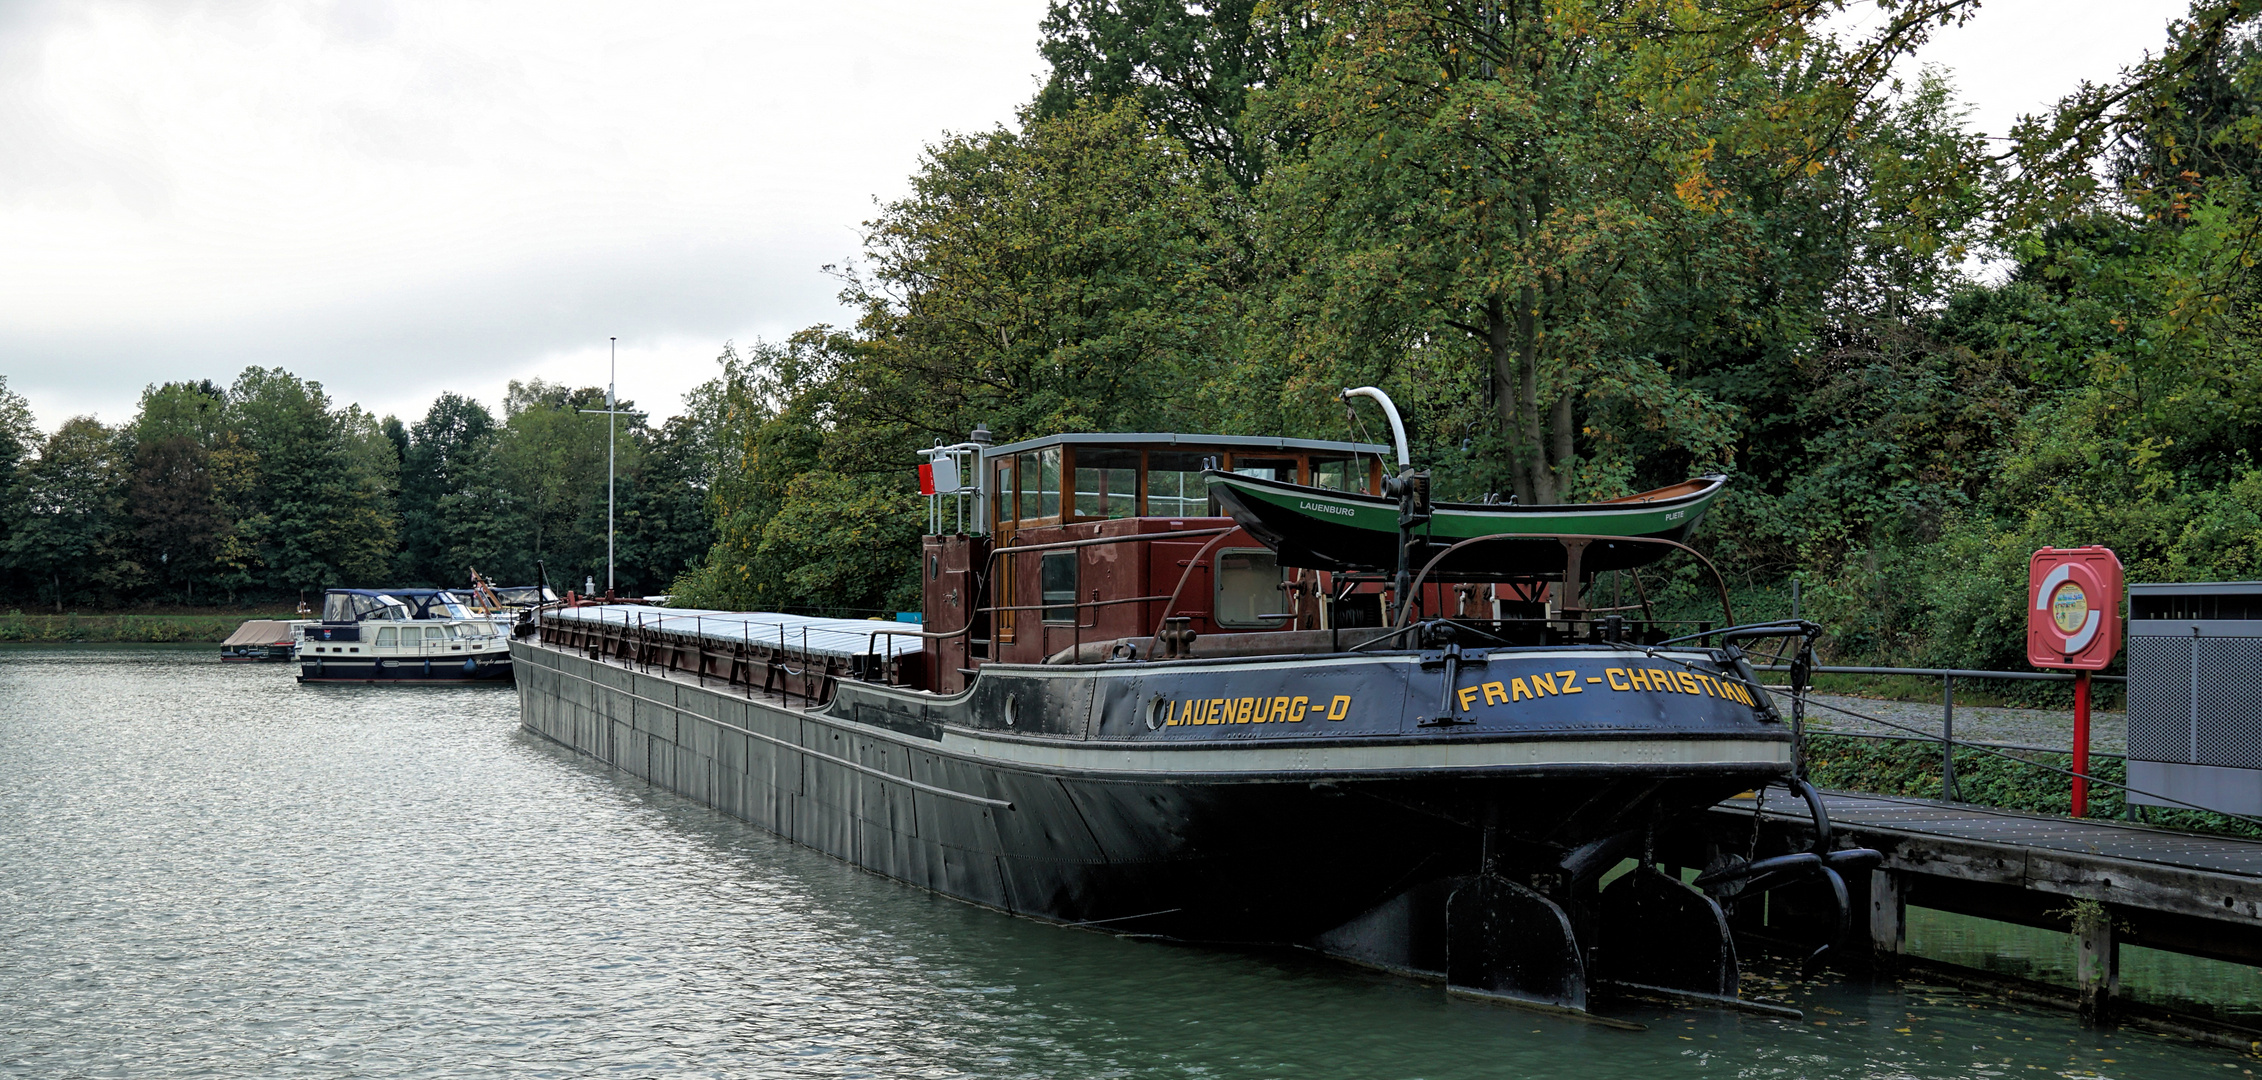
{"x": 2073, "y": 608}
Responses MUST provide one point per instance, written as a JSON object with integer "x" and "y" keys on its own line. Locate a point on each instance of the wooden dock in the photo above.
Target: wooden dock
{"x": 2180, "y": 892}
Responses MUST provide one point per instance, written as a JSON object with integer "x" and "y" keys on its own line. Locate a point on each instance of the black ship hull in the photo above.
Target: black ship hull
{"x": 1147, "y": 802}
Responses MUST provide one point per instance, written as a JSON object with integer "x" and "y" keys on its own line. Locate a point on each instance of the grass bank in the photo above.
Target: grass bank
{"x": 1896, "y": 767}
{"x": 16, "y": 626}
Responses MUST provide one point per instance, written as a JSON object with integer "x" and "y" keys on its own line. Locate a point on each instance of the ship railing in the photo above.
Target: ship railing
{"x": 802, "y": 674}
{"x": 1574, "y": 612}
{"x": 989, "y": 571}
{"x": 1947, "y": 737}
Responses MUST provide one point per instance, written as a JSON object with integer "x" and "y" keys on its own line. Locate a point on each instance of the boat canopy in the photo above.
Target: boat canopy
{"x": 381, "y": 605}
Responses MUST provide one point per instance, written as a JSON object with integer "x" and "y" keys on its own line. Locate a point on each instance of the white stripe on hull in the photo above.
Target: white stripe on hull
{"x": 1418, "y": 757}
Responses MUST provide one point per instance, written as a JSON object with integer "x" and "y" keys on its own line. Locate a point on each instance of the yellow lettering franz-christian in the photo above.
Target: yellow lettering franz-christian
{"x": 1616, "y": 677}
{"x": 1638, "y": 678}
{"x": 1495, "y": 693}
{"x": 1467, "y": 696}
{"x": 1689, "y": 684}
{"x": 1543, "y": 684}
{"x": 1517, "y": 691}
{"x": 1569, "y": 683}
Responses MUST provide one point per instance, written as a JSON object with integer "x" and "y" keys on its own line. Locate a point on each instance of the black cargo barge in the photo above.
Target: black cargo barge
{"x": 1432, "y": 778}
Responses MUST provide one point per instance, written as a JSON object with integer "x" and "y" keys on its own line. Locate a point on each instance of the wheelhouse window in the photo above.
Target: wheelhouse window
{"x": 387, "y": 637}
{"x": 1107, "y": 482}
{"x": 1248, "y": 588}
{"x": 1002, "y": 505}
{"x": 1056, "y": 572}
{"x": 1174, "y": 485}
{"x": 1040, "y": 483}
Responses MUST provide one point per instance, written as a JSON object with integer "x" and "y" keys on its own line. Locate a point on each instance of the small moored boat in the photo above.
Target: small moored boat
{"x": 260, "y": 640}
{"x": 403, "y": 635}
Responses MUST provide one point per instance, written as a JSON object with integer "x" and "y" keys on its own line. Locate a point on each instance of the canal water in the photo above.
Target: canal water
{"x": 213, "y": 871}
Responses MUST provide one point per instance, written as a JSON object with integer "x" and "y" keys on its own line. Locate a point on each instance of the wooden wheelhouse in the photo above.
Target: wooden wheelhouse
{"x": 1040, "y": 549}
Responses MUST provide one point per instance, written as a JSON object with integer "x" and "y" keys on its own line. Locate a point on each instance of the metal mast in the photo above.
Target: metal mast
{"x": 611, "y": 410}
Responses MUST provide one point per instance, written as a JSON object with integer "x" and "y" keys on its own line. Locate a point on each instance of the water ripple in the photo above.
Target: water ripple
{"x": 213, "y": 871}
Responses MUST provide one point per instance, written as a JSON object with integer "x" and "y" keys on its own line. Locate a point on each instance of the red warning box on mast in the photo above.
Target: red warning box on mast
{"x": 2073, "y": 608}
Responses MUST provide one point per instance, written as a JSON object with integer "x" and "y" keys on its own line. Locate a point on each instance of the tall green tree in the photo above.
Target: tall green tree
{"x": 1189, "y": 68}
{"x": 66, "y": 503}
{"x": 320, "y": 512}
{"x": 552, "y": 456}
{"x": 178, "y": 519}
{"x": 19, "y": 443}
{"x": 1072, "y": 276}
{"x": 449, "y": 453}
{"x": 1575, "y": 204}
{"x": 664, "y": 523}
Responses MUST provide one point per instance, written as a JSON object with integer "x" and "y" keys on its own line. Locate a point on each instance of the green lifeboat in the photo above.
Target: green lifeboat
{"x": 1322, "y": 529}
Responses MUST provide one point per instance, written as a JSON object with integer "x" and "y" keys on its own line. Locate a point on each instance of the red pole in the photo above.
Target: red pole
{"x": 2081, "y": 745}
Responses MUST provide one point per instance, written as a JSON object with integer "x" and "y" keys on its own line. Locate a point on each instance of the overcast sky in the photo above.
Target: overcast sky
{"x": 397, "y": 199}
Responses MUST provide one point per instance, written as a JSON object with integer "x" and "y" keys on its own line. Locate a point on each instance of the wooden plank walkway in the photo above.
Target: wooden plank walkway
{"x": 1980, "y": 824}
{"x": 2200, "y": 895}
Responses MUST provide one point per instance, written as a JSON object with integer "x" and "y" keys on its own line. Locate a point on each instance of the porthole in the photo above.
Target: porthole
{"x": 1158, "y": 712}
{"x": 1012, "y": 711}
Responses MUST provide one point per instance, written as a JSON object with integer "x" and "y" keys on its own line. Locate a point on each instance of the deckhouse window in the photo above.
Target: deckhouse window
{"x": 1107, "y": 483}
{"x": 387, "y": 637}
{"x": 1040, "y": 483}
{"x": 1004, "y": 509}
{"x": 1248, "y": 588}
{"x": 412, "y": 637}
{"x": 1057, "y": 574}
{"x": 1174, "y": 485}
{"x": 1338, "y": 475}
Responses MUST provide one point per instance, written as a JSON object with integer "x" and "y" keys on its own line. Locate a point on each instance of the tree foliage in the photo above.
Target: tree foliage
{"x": 1591, "y": 246}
